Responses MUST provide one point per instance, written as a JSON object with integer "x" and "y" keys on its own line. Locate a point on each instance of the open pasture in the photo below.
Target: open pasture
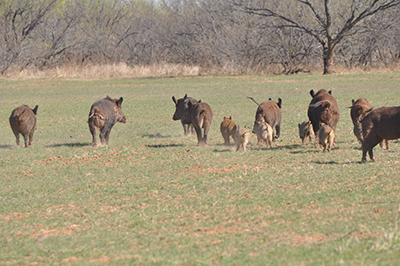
{"x": 152, "y": 197}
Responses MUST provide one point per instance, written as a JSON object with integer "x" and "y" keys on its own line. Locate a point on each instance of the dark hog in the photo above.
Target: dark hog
{"x": 323, "y": 108}
{"x": 270, "y": 112}
{"x": 358, "y": 110}
{"x": 182, "y": 113}
{"x": 23, "y": 121}
{"x": 228, "y": 129}
{"x": 102, "y": 116}
{"x": 201, "y": 116}
{"x": 381, "y": 123}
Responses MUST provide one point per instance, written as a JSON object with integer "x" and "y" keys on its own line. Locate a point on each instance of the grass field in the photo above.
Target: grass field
{"x": 152, "y": 197}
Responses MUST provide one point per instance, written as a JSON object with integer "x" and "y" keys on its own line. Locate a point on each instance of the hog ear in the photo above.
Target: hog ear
{"x": 270, "y": 99}
{"x": 312, "y": 93}
{"x": 330, "y": 92}
{"x": 185, "y": 97}
{"x": 230, "y": 117}
{"x": 352, "y": 101}
{"x": 119, "y": 102}
{"x": 280, "y": 103}
{"x": 299, "y": 125}
{"x": 35, "y": 109}
{"x": 174, "y": 99}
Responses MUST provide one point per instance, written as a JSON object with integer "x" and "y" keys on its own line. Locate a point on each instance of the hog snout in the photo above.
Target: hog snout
{"x": 122, "y": 119}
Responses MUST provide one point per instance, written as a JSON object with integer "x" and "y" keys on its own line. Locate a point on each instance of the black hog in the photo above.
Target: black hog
{"x": 323, "y": 108}
{"x": 358, "y": 110}
{"x": 182, "y": 113}
{"x": 270, "y": 112}
{"x": 103, "y": 115}
{"x": 381, "y": 123}
{"x": 201, "y": 116}
{"x": 23, "y": 121}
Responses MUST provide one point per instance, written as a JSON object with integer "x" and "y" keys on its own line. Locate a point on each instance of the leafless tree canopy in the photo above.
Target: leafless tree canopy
{"x": 258, "y": 36}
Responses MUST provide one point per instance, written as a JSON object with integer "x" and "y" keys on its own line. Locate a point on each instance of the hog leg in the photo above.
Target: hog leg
{"x": 237, "y": 145}
{"x": 93, "y": 131}
{"x": 198, "y": 124}
{"x": 185, "y": 129}
{"x": 369, "y": 143}
{"x": 199, "y": 135}
{"x": 206, "y": 129}
{"x": 16, "y": 136}
{"x": 192, "y": 131}
{"x": 107, "y": 136}
{"x": 31, "y": 136}
{"x": 103, "y": 132}
{"x": 26, "y": 139}
{"x": 278, "y": 131}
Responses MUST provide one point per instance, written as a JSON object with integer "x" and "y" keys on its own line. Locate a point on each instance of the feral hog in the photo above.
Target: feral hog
{"x": 305, "y": 131}
{"x": 358, "y": 110}
{"x": 201, "y": 116}
{"x": 228, "y": 129}
{"x": 270, "y": 112}
{"x": 264, "y": 133}
{"x": 381, "y": 123}
{"x": 242, "y": 137}
{"x": 102, "y": 116}
{"x": 182, "y": 113}
{"x": 323, "y": 108}
{"x": 326, "y": 135}
{"x": 23, "y": 121}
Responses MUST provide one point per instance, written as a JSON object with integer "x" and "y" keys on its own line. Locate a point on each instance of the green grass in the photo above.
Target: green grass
{"x": 152, "y": 197}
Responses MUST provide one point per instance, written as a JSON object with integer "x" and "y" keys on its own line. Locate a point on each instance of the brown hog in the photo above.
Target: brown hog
{"x": 201, "y": 116}
{"x": 23, "y": 121}
{"x": 264, "y": 133}
{"x": 381, "y": 123}
{"x": 182, "y": 113}
{"x": 323, "y": 108}
{"x": 242, "y": 137}
{"x": 358, "y": 110}
{"x": 305, "y": 131}
{"x": 102, "y": 116}
{"x": 270, "y": 112}
{"x": 228, "y": 129}
{"x": 326, "y": 136}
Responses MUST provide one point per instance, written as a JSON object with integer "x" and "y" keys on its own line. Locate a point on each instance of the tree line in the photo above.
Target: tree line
{"x": 253, "y": 36}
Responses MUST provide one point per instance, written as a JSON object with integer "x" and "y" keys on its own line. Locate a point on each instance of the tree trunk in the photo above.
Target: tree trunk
{"x": 328, "y": 53}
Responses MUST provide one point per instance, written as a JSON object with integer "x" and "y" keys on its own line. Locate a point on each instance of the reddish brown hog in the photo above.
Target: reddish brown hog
{"x": 201, "y": 116}
{"x": 23, "y": 121}
{"x": 358, "y": 110}
{"x": 323, "y": 108}
{"x": 228, "y": 129}
{"x": 270, "y": 112}
{"x": 102, "y": 116}
{"x": 182, "y": 113}
{"x": 381, "y": 123}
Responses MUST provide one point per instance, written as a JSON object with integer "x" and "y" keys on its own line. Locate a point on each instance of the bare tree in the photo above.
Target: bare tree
{"x": 19, "y": 19}
{"x": 329, "y": 22}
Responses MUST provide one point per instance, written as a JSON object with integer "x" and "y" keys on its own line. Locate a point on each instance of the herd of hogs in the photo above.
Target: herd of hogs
{"x": 371, "y": 126}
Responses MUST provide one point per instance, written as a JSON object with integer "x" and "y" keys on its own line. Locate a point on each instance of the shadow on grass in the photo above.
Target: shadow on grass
{"x": 164, "y": 145}
{"x": 337, "y": 163}
{"x": 7, "y": 147}
{"x": 224, "y": 150}
{"x": 156, "y": 136}
{"x": 69, "y": 145}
